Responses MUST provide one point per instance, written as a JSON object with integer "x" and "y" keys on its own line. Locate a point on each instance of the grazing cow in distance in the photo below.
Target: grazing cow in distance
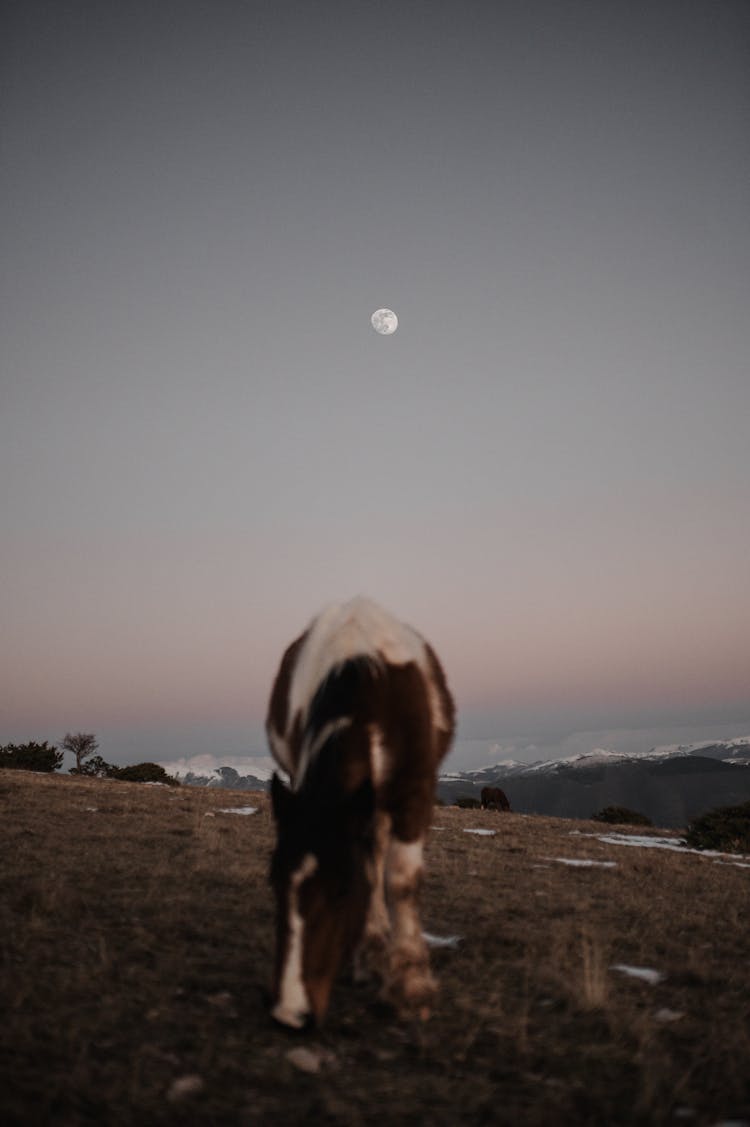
{"x": 493, "y": 798}
{"x": 360, "y": 717}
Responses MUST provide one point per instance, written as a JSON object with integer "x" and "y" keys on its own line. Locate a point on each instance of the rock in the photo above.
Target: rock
{"x": 310, "y": 1060}
{"x": 183, "y": 1087}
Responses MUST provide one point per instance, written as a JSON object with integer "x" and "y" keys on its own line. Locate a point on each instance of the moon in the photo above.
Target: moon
{"x": 384, "y": 321}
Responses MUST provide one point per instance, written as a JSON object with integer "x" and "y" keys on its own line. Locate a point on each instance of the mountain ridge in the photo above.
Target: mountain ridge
{"x": 670, "y": 784}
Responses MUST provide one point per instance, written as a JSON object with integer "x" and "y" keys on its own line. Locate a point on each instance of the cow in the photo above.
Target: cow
{"x": 359, "y": 718}
{"x": 493, "y": 798}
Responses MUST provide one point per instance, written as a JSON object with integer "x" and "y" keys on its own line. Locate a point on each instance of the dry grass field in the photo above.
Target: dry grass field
{"x": 136, "y": 933}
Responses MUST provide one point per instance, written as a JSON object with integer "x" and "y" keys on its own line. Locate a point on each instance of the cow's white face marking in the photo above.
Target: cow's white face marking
{"x": 293, "y": 1005}
{"x": 378, "y": 758}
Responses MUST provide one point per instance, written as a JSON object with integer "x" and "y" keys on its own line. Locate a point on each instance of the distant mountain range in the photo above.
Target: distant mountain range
{"x": 670, "y": 785}
{"x": 227, "y": 777}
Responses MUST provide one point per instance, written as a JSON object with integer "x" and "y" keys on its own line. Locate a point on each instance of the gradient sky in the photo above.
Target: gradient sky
{"x": 202, "y": 441}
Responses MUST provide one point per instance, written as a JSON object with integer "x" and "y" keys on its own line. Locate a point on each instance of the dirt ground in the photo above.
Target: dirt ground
{"x": 136, "y": 938}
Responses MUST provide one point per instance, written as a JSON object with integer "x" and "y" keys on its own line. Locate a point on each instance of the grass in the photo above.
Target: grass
{"x": 136, "y": 935}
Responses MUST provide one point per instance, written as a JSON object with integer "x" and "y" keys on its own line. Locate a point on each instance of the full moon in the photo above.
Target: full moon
{"x": 384, "y": 321}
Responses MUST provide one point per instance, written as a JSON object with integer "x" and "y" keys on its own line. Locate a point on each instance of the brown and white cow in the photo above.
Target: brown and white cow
{"x": 494, "y": 798}
{"x": 360, "y": 717}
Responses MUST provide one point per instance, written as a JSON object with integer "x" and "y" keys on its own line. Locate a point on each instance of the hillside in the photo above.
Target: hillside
{"x": 136, "y": 930}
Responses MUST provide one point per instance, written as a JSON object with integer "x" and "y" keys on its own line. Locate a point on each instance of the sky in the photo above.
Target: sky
{"x": 545, "y": 470}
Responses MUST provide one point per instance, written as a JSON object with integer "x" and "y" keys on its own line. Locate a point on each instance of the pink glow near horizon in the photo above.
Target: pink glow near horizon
{"x": 196, "y": 655}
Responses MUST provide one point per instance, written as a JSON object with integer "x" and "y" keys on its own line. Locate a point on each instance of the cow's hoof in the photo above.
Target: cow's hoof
{"x": 411, "y": 989}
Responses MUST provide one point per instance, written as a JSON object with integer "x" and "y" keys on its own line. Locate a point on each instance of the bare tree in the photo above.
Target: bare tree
{"x": 82, "y": 745}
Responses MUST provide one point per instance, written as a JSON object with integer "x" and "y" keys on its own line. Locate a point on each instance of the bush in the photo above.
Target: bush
{"x": 144, "y": 773}
{"x": 466, "y": 802}
{"x": 620, "y": 815}
{"x": 31, "y": 757}
{"x": 96, "y": 767}
{"x": 726, "y": 829}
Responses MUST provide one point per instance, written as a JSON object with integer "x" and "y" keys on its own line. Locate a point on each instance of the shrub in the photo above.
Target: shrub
{"x": 144, "y": 773}
{"x": 97, "y": 767}
{"x": 466, "y": 802}
{"x": 31, "y": 757}
{"x": 620, "y": 815}
{"x": 726, "y": 829}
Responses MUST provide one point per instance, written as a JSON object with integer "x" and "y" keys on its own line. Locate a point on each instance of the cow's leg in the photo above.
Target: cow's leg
{"x": 410, "y": 985}
{"x": 370, "y": 956}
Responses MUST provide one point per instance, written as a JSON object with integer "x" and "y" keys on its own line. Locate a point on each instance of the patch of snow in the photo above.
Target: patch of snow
{"x": 487, "y": 756}
{"x": 483, "y": 833}
{"x": 665, "y": 1014}
{"x": 440, "y": 940}
{"x": 583, "y": 863}
{"x": 646, "y": 841}
{"x": 701, "y": 745}
{"x": 239, "y": 810}
{"x": 677, "y": 844}
{"x": 585, "y": 759}
{"x": 645, "y": 974}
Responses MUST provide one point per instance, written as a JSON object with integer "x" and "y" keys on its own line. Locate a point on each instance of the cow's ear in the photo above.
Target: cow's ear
{"x": 282, "y": 798}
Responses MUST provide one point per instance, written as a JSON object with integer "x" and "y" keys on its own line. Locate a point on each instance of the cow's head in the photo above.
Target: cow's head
{"x": 319, "y": 873}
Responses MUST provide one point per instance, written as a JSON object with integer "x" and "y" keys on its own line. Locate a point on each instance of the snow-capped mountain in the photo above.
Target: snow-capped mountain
{"x": 733, "y": 751}
{"x": 234, "y": 772}
{"x": 669, "y": 784}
